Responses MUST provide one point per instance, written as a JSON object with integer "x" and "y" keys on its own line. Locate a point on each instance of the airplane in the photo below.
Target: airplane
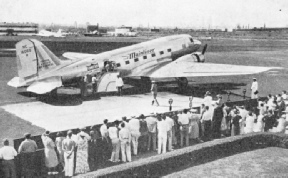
{"x": 172, "y": 57}
{"x": 46, "y": 33}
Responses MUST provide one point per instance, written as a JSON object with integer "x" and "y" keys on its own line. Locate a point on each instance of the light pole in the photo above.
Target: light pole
{"x": 170, "y": 103}
{"x": 190, "y": 102}
{"x": 229, "y": 93}
{"x": 244, "y": 94}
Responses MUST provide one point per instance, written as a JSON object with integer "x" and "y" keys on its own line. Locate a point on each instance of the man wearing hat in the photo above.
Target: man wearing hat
{"x": 254, "y": 89}
{"x": 134, "y": 126}
{"x": 7, "y": 154}
{"x": 154, "y": 92}
{"x": 151, "y": 124}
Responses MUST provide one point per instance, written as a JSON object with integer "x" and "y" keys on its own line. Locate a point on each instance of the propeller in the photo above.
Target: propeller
{"x": 204, "y": 49}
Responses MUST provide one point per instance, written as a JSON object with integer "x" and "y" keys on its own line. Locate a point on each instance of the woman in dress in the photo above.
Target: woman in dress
{"x": 249, "y": 123}
{"x": 235, "y": 125}
{"x": 82, "y": 152}
{"x": 259, "y": 125}
{"x": 59, "y": 139}
{"x": 51, "y": 160}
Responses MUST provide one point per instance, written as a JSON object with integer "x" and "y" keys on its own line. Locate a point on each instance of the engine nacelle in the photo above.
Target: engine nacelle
{"x": 198, "y": 57}
{"x": 195, "y": 57}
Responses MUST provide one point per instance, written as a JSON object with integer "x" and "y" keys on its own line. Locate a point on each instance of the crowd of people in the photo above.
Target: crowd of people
{"x": 122, "y": 140}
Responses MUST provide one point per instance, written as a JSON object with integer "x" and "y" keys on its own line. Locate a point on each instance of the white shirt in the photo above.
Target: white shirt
{"x": 113, "y": 132}
{"x": 134, "y": 125}
{"x": 170, "y": 123}
{"x": 207, "y": 100}
{"x": 162, "y": 128}
{"x": 7, "y": 153}
{"x": 249, "y": 124}
{"x": 151, "y": 124}
{"x": 124, "y": 135}
{"x": 284, "y": 96}
{"x": 104, "y": 130}
{"x": 254, "y": 86}
{"x": 208, "y": 114}
{"x": 119, "y": 82}
{"x": 94, "y": 80}
{"x": 184, "y": 119}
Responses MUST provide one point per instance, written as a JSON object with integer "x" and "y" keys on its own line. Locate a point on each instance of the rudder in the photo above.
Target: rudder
{"x": 34, "y": 59}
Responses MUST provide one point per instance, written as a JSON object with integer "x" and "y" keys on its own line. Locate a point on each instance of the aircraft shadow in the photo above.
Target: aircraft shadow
{"x": 61, "y": 99}
{"x": 65, "y": 99}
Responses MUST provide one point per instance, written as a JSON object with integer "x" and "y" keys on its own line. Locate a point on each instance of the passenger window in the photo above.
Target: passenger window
{"x": 144, "y": 57}
{"x": 118, "y": 64}
{"x": 169, "y": 50}
{"x": 127, "y": 62}
{"x": 153, "y": 55}
{"x": 161, "y": 52}
{"x": 136, "y": 59}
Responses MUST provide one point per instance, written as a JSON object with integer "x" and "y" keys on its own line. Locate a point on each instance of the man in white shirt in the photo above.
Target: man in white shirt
{"x": 162, "y": 135}
{"x": 207, "y": 99}
{"x": 284, "y": 95}
{"x": 94, "y": 84}
{"x": 119, "y": 85}
{"x": 125, "y": 140}
{"x": 113, "y": 134}
{"x": 104, "y": 129}
{"x": 134, "y": 126}
{"x": 151, "y": 124}
{"x": 184, "y": 127}
{"x": 170, "y": 124}
{"x": 254, "y": 89}
{"x": 7, "y": 154}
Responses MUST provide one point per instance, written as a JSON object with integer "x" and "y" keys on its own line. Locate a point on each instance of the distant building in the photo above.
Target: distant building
{"x": 155, "y": 30}
{"x": 123, "y": 31}
{"x": 13, "y": 29}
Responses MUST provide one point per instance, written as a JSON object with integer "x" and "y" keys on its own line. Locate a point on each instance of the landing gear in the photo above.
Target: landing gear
{"x": 182, "y": 84}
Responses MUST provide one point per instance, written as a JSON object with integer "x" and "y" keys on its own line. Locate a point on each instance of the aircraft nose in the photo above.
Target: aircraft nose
{"x": 197, "y": 42}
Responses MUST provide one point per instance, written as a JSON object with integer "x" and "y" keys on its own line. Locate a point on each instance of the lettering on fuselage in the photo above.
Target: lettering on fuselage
{"x": 138, "y": 54}
{"x": 45, "y": 63}
{"x": 92, "y": 67}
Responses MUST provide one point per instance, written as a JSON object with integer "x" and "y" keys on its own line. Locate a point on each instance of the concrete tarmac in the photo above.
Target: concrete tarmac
{"x": 57, "y": 118}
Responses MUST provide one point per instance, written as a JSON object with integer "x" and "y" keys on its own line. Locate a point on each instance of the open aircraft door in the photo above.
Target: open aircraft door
{"x": 107, "y": 82}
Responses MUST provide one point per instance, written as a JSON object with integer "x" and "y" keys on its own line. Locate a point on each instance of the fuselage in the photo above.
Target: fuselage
{"x": 136, "y": 60}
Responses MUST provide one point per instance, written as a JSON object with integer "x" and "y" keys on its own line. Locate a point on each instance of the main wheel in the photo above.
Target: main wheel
{"x": 182, "y": 83}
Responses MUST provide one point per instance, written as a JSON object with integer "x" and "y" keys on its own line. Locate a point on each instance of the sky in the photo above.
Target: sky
{"x": 152, "y": 13}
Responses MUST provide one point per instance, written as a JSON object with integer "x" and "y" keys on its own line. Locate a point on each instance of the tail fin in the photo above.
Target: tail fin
{"x": 34, "y": 59}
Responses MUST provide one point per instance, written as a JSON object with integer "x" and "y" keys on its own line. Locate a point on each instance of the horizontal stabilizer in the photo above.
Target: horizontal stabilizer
{"x": 17, "y": 82}
{"x": 45, "y": 85}
{"x": 76, "y": 56}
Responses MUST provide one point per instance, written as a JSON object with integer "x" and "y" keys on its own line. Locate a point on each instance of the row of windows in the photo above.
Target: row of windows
{"x": 144, "y": 57}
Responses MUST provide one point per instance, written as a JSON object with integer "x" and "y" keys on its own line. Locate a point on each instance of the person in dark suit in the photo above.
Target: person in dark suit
{"x": 216, "y": 121}
{"x": 95, "y": 150}
{"x": 269, "y": 121}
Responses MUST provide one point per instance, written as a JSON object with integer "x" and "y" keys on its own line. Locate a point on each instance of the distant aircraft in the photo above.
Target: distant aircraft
{"x": 171, "y": 57}
{"x": 46, "y": 33}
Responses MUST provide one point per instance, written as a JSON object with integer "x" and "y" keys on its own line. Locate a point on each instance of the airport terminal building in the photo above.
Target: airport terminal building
{"x": 14, "y": 29}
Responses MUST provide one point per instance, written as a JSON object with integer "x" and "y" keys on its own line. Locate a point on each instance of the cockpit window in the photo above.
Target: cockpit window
{"x": 191, "y": 40}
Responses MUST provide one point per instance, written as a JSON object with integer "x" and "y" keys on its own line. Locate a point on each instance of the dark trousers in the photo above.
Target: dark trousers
{"x": 94, "y": 85}
{"x": 119, "y": 91}
{"x": 8, "y": 168}
{"x": 207, "y": 129}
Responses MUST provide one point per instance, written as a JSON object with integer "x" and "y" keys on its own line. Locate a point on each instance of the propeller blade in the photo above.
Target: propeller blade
{"x": 204, "y": 49}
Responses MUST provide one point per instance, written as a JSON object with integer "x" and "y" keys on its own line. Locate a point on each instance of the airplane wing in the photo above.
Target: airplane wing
{"x": 194, "y": 69}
